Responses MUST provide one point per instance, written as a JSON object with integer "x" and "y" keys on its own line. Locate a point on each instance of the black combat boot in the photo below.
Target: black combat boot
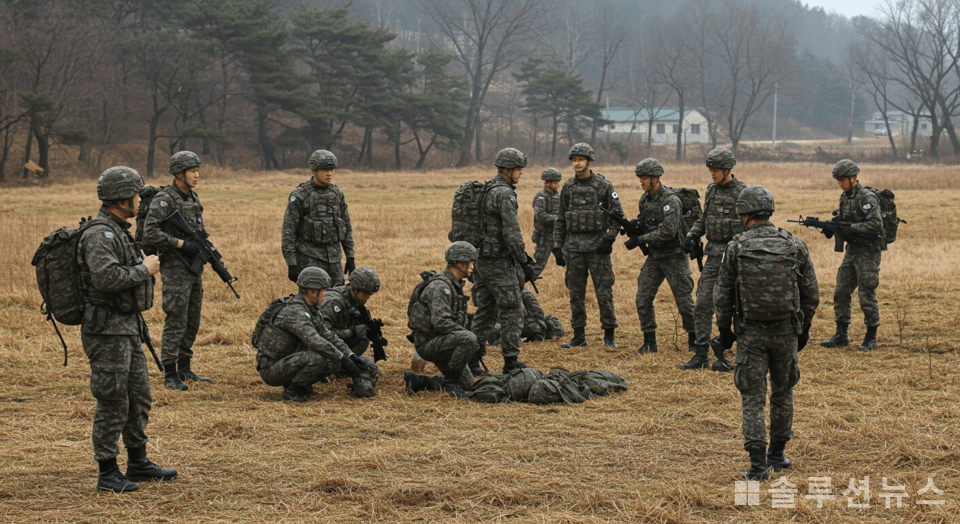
{"x": 140, "y": 469}
{"x": 699, "y": 360}
{"x": 579, "y": 339}
{"x": 869, "y": 340}
{"x": 722, "y": 364}
{"x": 608, "y": 338}
{"x": 171, "y": 378}
{"x": 453, "y": 387}
{"x": 649, "y": 343}
{"x": 111, "y": 479}
{"x": 293, "y": 393}
{"x": 183, "y": 366}
{"x": 692, "y": 341}
{"x": 775, "y": 458}
{"x": 839, "y": 340}
{"x": 413, "y": 383}
{"x": 758, "y": 465}
{"x": 510, "y": 364}
{"x": 474, "y": 364}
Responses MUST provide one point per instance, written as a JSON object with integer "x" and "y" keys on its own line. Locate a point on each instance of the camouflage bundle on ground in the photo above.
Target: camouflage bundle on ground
{"x": 557, "y": 386}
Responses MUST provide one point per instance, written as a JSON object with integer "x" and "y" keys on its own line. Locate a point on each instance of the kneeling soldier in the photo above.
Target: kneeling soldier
{"x": 342, "y": 305}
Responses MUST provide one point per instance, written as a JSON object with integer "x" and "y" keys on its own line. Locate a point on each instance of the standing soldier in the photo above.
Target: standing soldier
{"x": 767, "y": 288}
{"x": 545, "y": 206}
{"x": 503, "y": 265}
{"x": 317, "y": 223}
{"x": 584, "y": 235}
{"x": 341, "y": 308}
{"x": 660, "y": 218}
{"x": 720, "y": 223}
{"x": 117, "y": 281}
{"x": 182, "y": 288}
{"x": 860, "y": 269}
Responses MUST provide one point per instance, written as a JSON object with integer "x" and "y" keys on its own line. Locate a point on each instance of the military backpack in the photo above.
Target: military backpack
{"x": 418, "y": 318}
{"x": 267, "y": 317}
{"x": 467, "y": 212}
{"x": 888, "y": 209}
{"x": 690, "y": 205}
{"x": 146, "y": 198}
{"x": 767, "y": 271}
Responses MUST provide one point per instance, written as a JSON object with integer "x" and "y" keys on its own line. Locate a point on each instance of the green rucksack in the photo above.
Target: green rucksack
{"x": 690, "y": 205}
{"x": 267, "y": 317}
{"x": 467, "y": 212}
{"x": 767, "y": 270}
{"x": 146, "y": 197}
{"x": 490, "y": 390}
{"x": 520, "y": 381}
{"x": 418, "y": 318}
{"x": 888, "y": 209}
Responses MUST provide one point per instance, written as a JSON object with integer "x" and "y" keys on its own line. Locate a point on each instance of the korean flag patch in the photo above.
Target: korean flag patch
{"x": 614, "y": 195}
{"x": 666, "y": 208}
{"x": 293, "y": 199}
{"x": 336, "y": 308}
{"x": 867, "y": 207}
{"x": 108, "y": 234}
{"x": 307, "y": 314}
{"x": 447, "y": 291}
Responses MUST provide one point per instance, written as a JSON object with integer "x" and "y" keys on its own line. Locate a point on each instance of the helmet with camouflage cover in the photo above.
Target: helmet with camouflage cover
{"x": 845, "y": 168}
{"x": 365, "y": 279}
{"x": 461, "y": 251}
{"x": 510, "y": 158}
{"x": 551, "y": 174}
{"x": 119, "y": 183}
{"x": 313, "y": 278}
{"x": 323, "y": 159}
{"x": 582, "y": 149}
{"x": 720, "y": 158}
{"x": 755, "y": 200}
{"x": 183, "y": 161}
{"x": 649, "y": 167}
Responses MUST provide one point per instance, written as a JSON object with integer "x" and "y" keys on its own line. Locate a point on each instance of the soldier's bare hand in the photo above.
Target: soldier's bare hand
{"x": 152, "y": 262}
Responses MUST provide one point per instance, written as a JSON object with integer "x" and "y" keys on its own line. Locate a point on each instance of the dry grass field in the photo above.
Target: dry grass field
{"x": 667, "y": 450}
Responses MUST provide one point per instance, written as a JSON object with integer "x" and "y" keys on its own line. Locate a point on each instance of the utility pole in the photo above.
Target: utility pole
{"x": 775, "y": 84}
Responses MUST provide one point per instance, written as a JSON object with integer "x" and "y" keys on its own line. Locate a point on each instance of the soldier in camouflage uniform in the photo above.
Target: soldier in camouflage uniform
{"x": 537, "y": 325}
{"x": 503, "y": 265}
{"x": 767, "y": 289}
{"x": 296, "y": 349}
{"x": 437, "y": 318}
{"x": 583, "y": 237}
{"x": 720, "y": 223}
{"x": 117, "y": 283}
{"x": 316, "y": 224}
{"x": 660, "y": 218}
{"x": 182, "y": 288}
{"x": 341, "y": 308}
{"x": 545, "y": 206}
{"x": 860, "y": 269}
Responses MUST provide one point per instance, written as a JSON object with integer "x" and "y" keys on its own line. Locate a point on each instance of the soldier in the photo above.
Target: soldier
{"x": 341, "y": 308}
{"x": 537, "y": 325}
{"x": 585, "y": 235}
{"x": 437, "y": 318}
{"x": 545, "y": 206}
{"x": 182, "y": 288}
{"x": 860, "y": 269}
{"x": 660, "y": 217}
{"x": 317, "y": 223}
{"x": 767, "y": 288}
{"x": 503, "y": 265}
{"x": 117, "y": 283}
{"x": 295, "y": 348}
{"x": 720, "y": 223}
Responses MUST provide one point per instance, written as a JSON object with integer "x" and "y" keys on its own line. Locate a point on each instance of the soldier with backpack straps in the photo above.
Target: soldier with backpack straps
{"x": 767, "y": 289}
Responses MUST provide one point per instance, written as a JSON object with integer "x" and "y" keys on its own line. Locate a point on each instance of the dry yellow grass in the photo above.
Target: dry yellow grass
{"x": 668, "y": 450}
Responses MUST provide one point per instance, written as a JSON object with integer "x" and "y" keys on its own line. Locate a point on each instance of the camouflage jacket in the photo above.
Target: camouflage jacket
{"x": 719, "y": 221}
{"x": 117, "y": 286}
{"x": 725, "y": 291}
{"x": 317, "y": 224}
{"x": 339, "y": 311}
{"x": 661, "y": 215}
{"x": 164, "y": 236}
{"x": 545, "y": 207}
{"x": 862, "y": 207}
{"x": 442, "y": 306}
{"x": 501, "y": 227}
{"x": 581, "y": 226}
{"x": 300, "y": 327}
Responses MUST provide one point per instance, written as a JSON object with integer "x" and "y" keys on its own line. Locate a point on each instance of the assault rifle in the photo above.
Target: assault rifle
{"x": 697, "y": 254}
{"x": 631, "y": 228}
{"x": 374, "y": 333}
{"x": 840, "y": 230}
{"x": 147, "y": 339}
{"x": 208, "y": 253}
{"x": 533, "y": 282}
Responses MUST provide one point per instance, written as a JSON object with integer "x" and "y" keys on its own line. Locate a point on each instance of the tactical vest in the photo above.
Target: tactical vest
{"x": 551, "y": 205}
{"x": 131, "y": 300}
{"x": 275, "y": 342}
{"x": 491, "y": 242}
{"x": 192, "y": 213}
{"x": 767, "y": 276}
{"x": 851, "y": 210}
{"x": 418, "y": 312}
{"x": 722, "y": 221}
{"x": 583, "y": 214}
{"x": 322, "y": 223}
{"x": 653, "y": 213}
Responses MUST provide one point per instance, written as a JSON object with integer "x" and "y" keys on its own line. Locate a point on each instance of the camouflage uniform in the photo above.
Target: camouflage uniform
{"x": 579, "y": 230}
{"x": 661, "y": 216}
{"x": 117, "y": 286}
{"x": 860, "y": 269}
{"x": 545, "y": 207}
{"x": 339, "y": 311}
{"x": 315, "y": 227}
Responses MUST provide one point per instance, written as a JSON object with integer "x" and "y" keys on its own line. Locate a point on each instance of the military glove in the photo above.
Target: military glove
{"x": 360, "y": 331}
{"x": 293, "y": 272}
{"x": 529, "y": 274}
{"x": 690, "y": 244}
{"x": 349, "y": 367}
{"x": 558, "y": 255}
{"x": 190, "y": 248}
{"x": 349, "y": 266}
{"x": 727, "y": 338}
{"x": 803, "y": 338}
{"x": 605, "y": 247}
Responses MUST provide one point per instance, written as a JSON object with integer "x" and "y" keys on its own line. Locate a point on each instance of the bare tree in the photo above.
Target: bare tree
{"x": 852, "y": 79}
{"x": 610, "y": 33}
{"x": 700, "y": 44}
{"x": 875, "y": 71}
{"x": 673, "y": 70}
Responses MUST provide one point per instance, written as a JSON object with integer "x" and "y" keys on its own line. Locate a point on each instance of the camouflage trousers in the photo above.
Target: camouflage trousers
{"x": 334, "y": 269}
{"x": 303, "y": 368}
{"x": 703, "y": 310}
{"x": 119, "y": 382}
{"x": 601, "y": 272}
{"x": 495, "y": 303}
{"x": 451, "y": 353}
{"x": 542, "y": 254}
{"x": 182, "y": 302}
{"x": 861, "y": 272}
{"x": 758, "y": 353}
{"x": 676, "y": 270}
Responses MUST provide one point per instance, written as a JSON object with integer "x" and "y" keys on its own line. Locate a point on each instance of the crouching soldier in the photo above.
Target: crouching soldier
{"x": 295, "y": 347}
{"x": 343, "y": 307}
{"x": 437, "y": 314}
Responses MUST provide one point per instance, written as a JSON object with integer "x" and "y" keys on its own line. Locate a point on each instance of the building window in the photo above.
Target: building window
{"x": 675, "y": 130}
{"x": 695, "y": 129}
{"x": 923, "y": 127}
{"x": 661, "y": 129}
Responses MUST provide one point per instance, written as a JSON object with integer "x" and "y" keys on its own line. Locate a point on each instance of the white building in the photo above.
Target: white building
{"x": 901, "y": 124}
{"x": 631, "y": 124}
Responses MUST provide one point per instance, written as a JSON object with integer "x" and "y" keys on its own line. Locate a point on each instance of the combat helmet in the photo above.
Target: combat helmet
{"x": 183, "y": 161}
{"x": 582, "y": 149}
{"x": 313, "y": 278}
{"x": 720, "y": 158}
{"x": 365, "y": 279}
{"x": 551, "y": 174}
{"x": 845, "y": 168}
{"x": 119, "y": 183}
{"x": 755, "y": 200}
{"x": 461, "y": 251}
{"x": 649, "y": 167}
{"x": 510, "y": 158}
{"x": 323, "y": 159}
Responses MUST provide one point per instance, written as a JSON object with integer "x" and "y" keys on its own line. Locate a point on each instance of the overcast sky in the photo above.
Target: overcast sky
{"x": 848, "y": 8}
